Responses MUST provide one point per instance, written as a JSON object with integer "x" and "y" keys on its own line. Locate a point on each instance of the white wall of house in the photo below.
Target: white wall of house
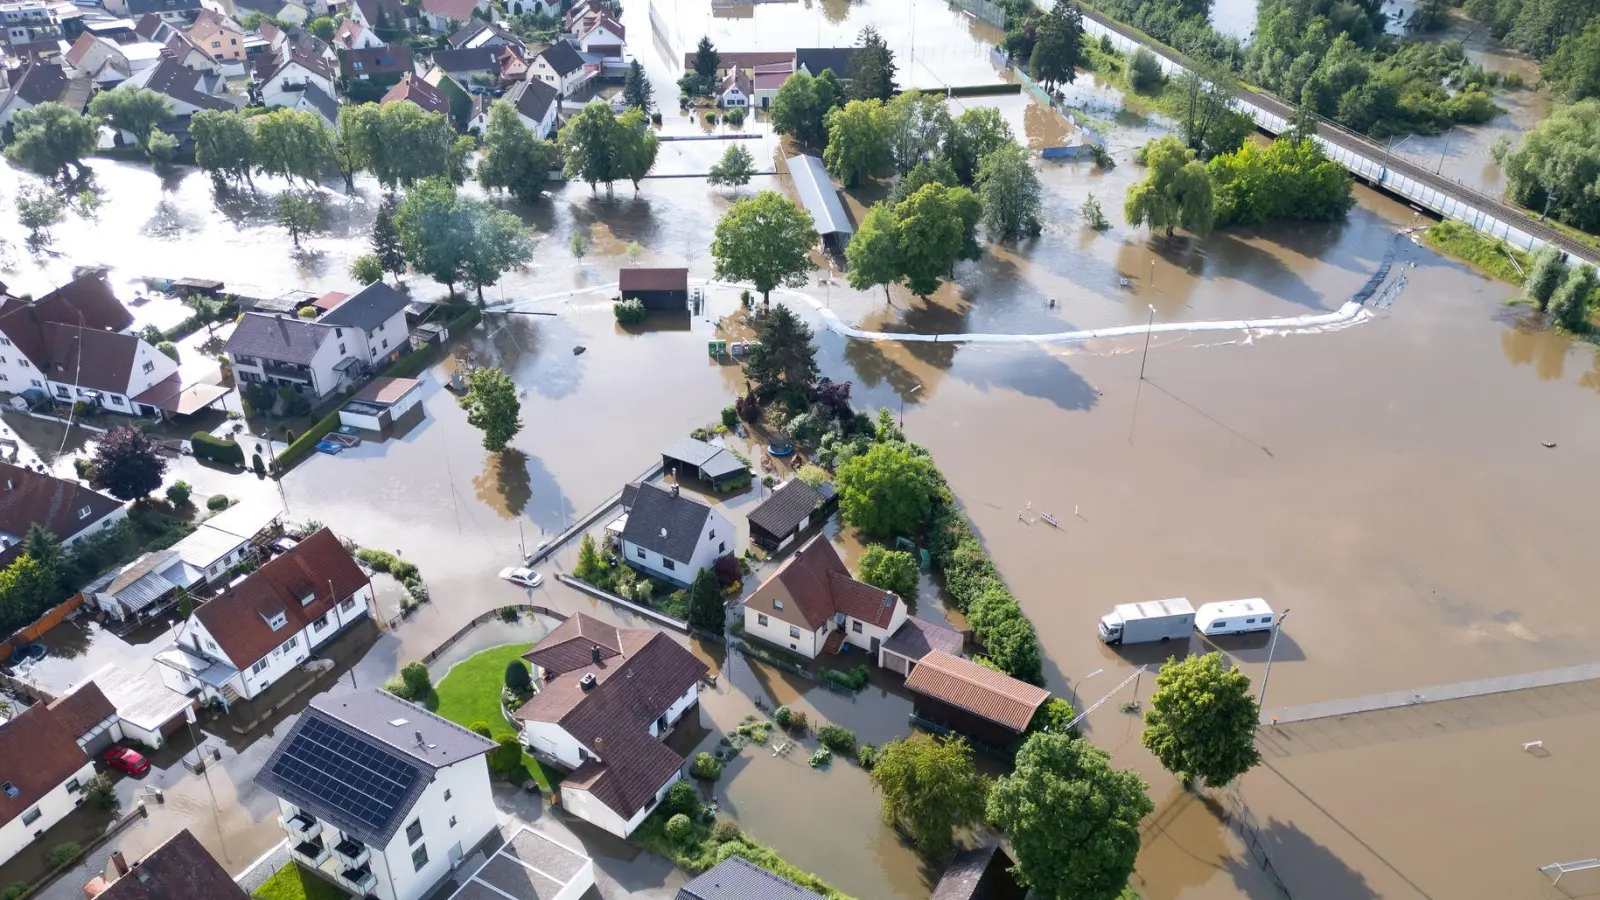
{"x": 676, "y": 710}
{"x": 554, "y": 741}
{"x": 149, "y": 367}
{"x": 716, "y": 539}
{"x": 320, "y": 377}
{"x": 604, "y": 41}
{"x": 586, "y": 806}
{"x": 733, "y": 97}
{"x": 450, "y": 829}
{"x": 110, "y": 519}
{"x": 566, "y": 85}
{"x": 860, "y": 633}
{"x": 287, "y": 85}
{"x": 773, "y": 630}
{"x": 39, "y": 818}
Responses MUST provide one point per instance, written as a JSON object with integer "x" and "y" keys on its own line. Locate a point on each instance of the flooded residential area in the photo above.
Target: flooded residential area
{"x": 1376, "y": 439}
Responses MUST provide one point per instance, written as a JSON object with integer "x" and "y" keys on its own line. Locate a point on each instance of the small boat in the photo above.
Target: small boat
{"x": 1050, "y": 519}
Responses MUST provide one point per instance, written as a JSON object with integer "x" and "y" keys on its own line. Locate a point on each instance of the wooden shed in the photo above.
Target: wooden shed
{"x": 955, "y": 693}
{"x": 660, "y": 290}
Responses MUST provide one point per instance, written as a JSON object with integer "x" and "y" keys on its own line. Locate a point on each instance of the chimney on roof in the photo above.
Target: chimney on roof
{"x": 594, "y": 653}
{"x": 674, "y": 490}
{"x": 119, "y": 862}
{"x": 587, "y": 681}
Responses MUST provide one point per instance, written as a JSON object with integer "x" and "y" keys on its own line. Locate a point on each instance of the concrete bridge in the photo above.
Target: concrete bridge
{"x": 1370, "y": 160}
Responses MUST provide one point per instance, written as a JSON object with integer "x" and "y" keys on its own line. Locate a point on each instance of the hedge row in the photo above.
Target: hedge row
{"x": 974, "y": 585}
{"x": 306, "y": 444}
{"x": 208, "y": 446}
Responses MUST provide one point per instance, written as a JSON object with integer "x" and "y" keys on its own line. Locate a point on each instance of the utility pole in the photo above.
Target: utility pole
{"x": 903, "y": 405}
{"x": 1272, "y": 646}
{"x": 1139, "y": 391}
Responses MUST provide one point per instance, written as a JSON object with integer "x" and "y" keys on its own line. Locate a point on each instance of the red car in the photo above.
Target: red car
{"x": 128, "y": 761}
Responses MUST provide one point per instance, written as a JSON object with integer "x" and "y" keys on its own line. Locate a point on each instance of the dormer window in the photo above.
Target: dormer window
{"x": 84, "y": 513}
{"x": 777, "y": 604}
{"x": 276, "y": 620}
{"x": 309, "y": 598}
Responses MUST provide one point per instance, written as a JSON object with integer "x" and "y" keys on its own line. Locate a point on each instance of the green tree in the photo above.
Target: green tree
{"x": 1205, "y": 92}
{"x": 1058, "y": 47}
{"x": 50, "y": 138}
{"x": 974, "y": 134}
{"x": 765, "y": 240}
{"x": 492, "y": 407}
{"x": 637, "y": 146}
{"x": 1053, "y": 715}
{"x": 734, "y": 169}
{"x": 706, "y": 60}
{"x": 386, "y": 245}
{"x": 28, "y": 587}
{"x": 429, "y": 231}
{"x": 784, "y": 352}
{"x": 134, "y": 110}
{"x": 893, "y": 570}
{"x": 514, "y": 159}
{"x": 873, "y": 254}
{"x": 1545, "y": 275}
{"x": 875, "y": 68}
{"x": 888, "y": 491}
{"x": 937, "y": 170}
{"x": 517, "y": 677}
{"x": 1010, "y": 192}
{"x": 298, "y": 213}
{"x": 1571, "y": 300}
{"x": 1073, "y": 820}
{"x": 935, "y": 229}
{"x": 366, "y": 269}
{"x": 589, "y": 566}
{"x": 706, "y": 608}
{"x": 223, "y": 143}
{"x": 1144, "y": 70}
{"x": 1093, "y": 216}
{"x": 495, "y": 243}
{"x": 858, "y": 142}
{"x": 801, "y": 106}
{"x": 636, "y": 89}
{"x": 1286, "y": 179}
{"x": 929, "y": 787}
{"x": 1176, "y": 192}
{"x": 399, "y": 143}
{"x": 589, "y": 145}
{"x": 1556, "y": 165}
{"x": 127, "y": 465}
{"x": 38, "y": 210}
{"x": 293, "y": 144}
{"x": 43, "y": 546}
{"x": 161, "y": 147}
{"x": 1574, "y": 70}
{"x": 917, "y": 127}
{"x": 1202, "y": 720}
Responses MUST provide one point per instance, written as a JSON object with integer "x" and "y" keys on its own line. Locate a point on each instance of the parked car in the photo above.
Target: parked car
{"x": 127, "y": 761}
{"x": 524, "y": 577}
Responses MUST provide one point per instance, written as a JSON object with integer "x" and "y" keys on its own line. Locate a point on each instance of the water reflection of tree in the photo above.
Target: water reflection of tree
{"x": 504, "y": 485}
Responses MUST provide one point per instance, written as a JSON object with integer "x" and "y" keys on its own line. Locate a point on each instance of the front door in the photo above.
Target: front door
{"x": 455, "y": 855}
{"x": 875, "y": 643}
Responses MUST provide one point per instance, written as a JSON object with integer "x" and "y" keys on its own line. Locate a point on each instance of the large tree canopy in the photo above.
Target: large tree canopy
{"x": 1202, "y": 720}
{"x": 889, "y": 491}
{"x": 929, "y": 788}
{"x": 765, "y": 240}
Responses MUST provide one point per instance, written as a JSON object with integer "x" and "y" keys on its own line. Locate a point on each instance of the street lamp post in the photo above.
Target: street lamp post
{"x": 903, "y": 405}
{"x": 1148, "y": 328}
{"x": 1272, "y": 646}
{"x": 1440, "y": 167}
{"x": 1075, "y": 698}
{"x": 1383, "y": 174}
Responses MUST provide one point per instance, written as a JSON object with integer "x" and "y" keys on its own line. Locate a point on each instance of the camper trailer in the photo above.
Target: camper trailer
{"x": 1234, "y": 617}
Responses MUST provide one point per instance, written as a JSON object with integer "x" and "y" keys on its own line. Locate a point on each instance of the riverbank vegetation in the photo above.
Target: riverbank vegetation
{"x": 1289, "y": 179}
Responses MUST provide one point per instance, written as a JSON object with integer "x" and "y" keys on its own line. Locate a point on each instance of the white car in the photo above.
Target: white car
{"x": 524, "y": 577}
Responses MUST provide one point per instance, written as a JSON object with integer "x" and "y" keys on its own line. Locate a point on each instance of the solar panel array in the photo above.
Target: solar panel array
{"x": 350, "y": 775}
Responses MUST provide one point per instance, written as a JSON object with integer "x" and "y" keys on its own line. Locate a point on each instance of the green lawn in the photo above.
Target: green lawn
{"x": 470, "y": 693}
{"x": 293, "y": 883}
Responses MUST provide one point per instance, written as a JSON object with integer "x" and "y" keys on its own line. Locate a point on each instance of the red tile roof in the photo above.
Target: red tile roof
{"x": 459, "y": 10}
{"x": 645, "y": 279}
{"x": 815, "y": 583}
{"x": 37, "y": 754}
{"x": 981, "y": 691}
{"x": 412, "y": 88}
{"x": 318, "y": 568}
{"x": 82, "y": 709}
{"x": 571, "y": 644}
{"x": 181, "y": 867}
{"x": 57, "y": 504}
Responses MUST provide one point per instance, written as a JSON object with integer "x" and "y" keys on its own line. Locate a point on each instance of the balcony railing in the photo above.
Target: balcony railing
{"x": 301, "y": 826}
{"x": 352, "y": 853}
{"x": 360, "y": 879}
{"x": 293, "y": 373}
{"x": 310, "y": 854}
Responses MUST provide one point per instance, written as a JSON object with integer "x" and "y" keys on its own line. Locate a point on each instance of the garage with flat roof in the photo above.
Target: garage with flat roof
{"x": 531, "y": 865}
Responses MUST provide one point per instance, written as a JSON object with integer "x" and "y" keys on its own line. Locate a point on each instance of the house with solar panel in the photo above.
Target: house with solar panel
{"x": 381, "y": 794}
{"x": 241, "y": 642}
{"x": 607, "y": 699}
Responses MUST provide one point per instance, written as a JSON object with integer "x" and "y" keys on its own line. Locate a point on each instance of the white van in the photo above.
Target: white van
{"x": 1234, "y": 617}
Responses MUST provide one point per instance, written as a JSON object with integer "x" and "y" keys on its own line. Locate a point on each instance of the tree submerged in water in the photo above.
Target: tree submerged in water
{"x": 1093, "y": 216}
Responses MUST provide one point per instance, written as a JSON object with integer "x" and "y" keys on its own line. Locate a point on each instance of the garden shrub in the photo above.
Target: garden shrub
{"x": 821, "y": 758}
{"x": 730, "y": 415}
{"x": 178, "y": 494}
{"x": 215, "y": 449}
{"x": 680, "y": 829}
{"x": 706, "y": 767}
{"x": 388, "y": 563}
{"x": 682, "y": 799}
{"x": 867, "y": 756}
{"x": 398, "y": 687}
{"x": 854, "y": 679}
{"x": 506, "y": 757}
{"x": 14, "y": 890}
{"x": 782, "y": 715}
{"x": 61, "y": 854}
{"x": 415, "y": 675}
{"x": 218, "y": 502}
{"x": 725, "y": 831}
{"x": 481, "y": 728}
{"x": 629, "y": 312}
{"x": 837, "y": 738}
{"x": 517, "y": 677}
{"x": 798, "y": 723}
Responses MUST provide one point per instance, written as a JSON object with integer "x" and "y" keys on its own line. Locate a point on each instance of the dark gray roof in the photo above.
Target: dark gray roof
{"x": 469, "y": 59}
{"x": 692, "y": 451}
{"x": 563, "y": 57}
{"x": 41, "y": 83}
{"x": 842, "y": 60}
{"x": 981, "y": 874}
{"x": 782, "y": 512}
{"x": 916, "y": 638}
{"x": 321, "y": 102}
{"x": 667, "y": 523}
{"x": 532, "y": 98}
{"x": 278, "y": 338}
{"x": 140, "y": 7}
{"x": 736, "y": 878}
{"x": 368, "y": 308}
{"x": 373, "y": 713}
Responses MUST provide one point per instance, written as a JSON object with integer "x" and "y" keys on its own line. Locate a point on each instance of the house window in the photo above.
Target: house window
{"x": 713, "y": 534}
{"x": 73, "y": 786}
{"x": 290, "y": 644}
{"x": 777, "y": 604}
{"x": 25, "y": 363}
{"x": 31, "y": 816}
{"x": 722, "y": 547}
{"x": 9, "y": 789}
{"x": 61, "y": 391}
{"x": 348, "y": 604}
{"x": 414, "y": 831}
{"x": 794, "y": 631}
{"x": 341, "y": 349}
{"x": 216, "y": 43}
{"x": 34, "y": 381}
{"x": 419, "y": 858}
{"x": 452, "y": 821}
{"x": 639, "y": 552}
{"x": 259, "y": 667}
{"x": 385, "y": 343}
{"x": 322, "y": 622}
{"x": 115, "y": 400}
{"x": 447, "y": 796}
{"x": 84, "y": 513}
{"x": 761, "y": 620}
{"x": 356, "y": 65}
{"x": 149, "y": 367}
{"x": 667, "y": 564}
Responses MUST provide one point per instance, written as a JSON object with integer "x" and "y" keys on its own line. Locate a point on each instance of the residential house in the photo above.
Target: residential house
{"x": 140, "y": 589}
{"x": 742, "y": 59}
{"x": 381, "y": 794}
{"x": 376, "y": 317}
{"x": 561, "y": 65}
{"x": 174, "y": 11}
{"x": 736, "y": 89}
{"x": 460, "y": 104}
{"x": 315, "y": 100}
{"x": 217, "y": 36}
{"x": 811, "y": 604}
{"x": 368, "y": 62}
{"x": 179, "y": 867}
{"x": 381, "y": 403}
{"x": 286, "y": 350}
{"x": 607, "y": 698}
{"x": 984, "y": 873}
{"x": 765, "y": 82}
{"x": 107, "y": 63}
{"x": 113, "y": 704}
{"x": 175, "y": 43}
{"x": 536, "y": 103}
{"x": 30, "y": 28}
{"x": 669, "y": 535}
{"x": 513, "y": 64}
{"x": 73, "y": 345}
{"x": 990, "y": 707}
{"x": 584, "y": 9}
{"x": 659, "y": 289}
{"x": 445, "y": 16}
{"x": 411, "y": 88}
{"x": 478, "y": 33}
{"x": 87, "y": 714}
{"x": 66, "y": 509}
{"x": 225, "y": 540}
{"x": 914, "y": 639}
{"x": 842, "y": 60}
{"x": 190, "y": 91}
{"x": 737, "y": 878}
{"x": 30, "y": 84}
{"x": 791, "y": 508}
{"x": 688, "y": 458}
{"x": 258, "y": 630}
{"x": 43, "y": 773}
{"x": 291, "y": 12}
{"x": 466, "y": 62}
{"x": 386, "y": 18}
{"x": 478, "y": 114}
{"x": 602, "y": 35}
{"x": 285, "y": 77}
{"x": 352, "y": 35}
